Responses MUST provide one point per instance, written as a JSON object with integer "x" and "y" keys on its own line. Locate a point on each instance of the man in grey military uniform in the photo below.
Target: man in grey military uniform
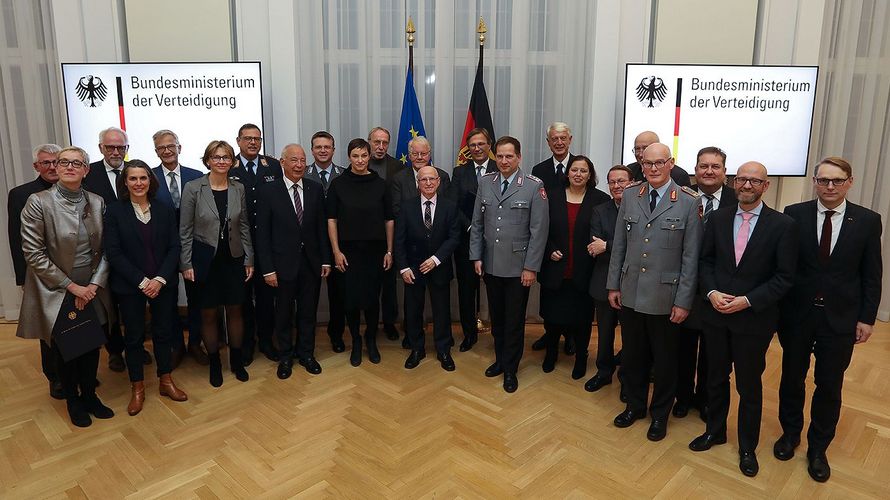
{"x": 507, "y": 239}
{"x": 652, "y": 279}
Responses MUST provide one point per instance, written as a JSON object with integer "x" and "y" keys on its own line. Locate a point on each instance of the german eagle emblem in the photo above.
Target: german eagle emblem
{"x": 650, "y": 89}
{"x": 91, "y": 88}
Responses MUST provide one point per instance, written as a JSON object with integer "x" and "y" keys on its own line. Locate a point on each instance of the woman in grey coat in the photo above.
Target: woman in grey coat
{"x": 62, "y": 244}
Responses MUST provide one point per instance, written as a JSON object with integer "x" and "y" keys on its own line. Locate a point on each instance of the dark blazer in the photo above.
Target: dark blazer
{"x": 413, "y": 245}
{"x": 15, "y": 203}
{"x": 163, "y": 194}
{"x": 96, "y": 181}
{"x": 268, "y": 170}
{"x": 764, "y": 275}
{"x": 463, "y": 191}
{"x": 387, "y": 168}
{"x": 602, "y": 225}
{"x": 404, "y": 187}
{"x": 678, "y": 174}
{"x": 547, "y": 174}
{"x": 125, "y": 247}
{"x": 312, "y": 173}
{"x": 279, "y": 235}
{"x": 551, "y": 275}
{"x": 850, "y": 283}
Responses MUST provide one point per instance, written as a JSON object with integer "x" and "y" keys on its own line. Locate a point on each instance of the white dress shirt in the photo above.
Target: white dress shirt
{"x": 112, "y": 177}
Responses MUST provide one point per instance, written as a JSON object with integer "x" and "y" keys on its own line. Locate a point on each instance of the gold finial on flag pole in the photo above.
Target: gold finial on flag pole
{"x": 482, "y": 30}
{"x": 410, "y": 31}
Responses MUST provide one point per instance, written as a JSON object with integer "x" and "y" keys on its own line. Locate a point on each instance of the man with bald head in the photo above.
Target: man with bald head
{"x": 293, "y": 250}
{"x": 747, "y": 265}
{"x": 652, "y": 280}
{"x": 643, "y": 141}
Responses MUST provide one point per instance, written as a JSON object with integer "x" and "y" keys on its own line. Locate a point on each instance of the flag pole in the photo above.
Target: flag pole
{"x": 481, "y": 30}
{"x": 409, "y": 31}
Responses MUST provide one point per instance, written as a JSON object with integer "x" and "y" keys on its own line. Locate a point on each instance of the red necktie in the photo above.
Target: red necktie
{"x": 825, "y": 240}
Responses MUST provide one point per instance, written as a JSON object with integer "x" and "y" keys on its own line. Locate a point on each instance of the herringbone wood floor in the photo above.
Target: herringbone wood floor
{"x": 380, "y": 431}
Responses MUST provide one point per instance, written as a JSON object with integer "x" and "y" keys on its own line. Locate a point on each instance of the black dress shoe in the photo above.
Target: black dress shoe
{"x": 818, "y": 466}
{"x": 539, "y": 344}
{"x": 597, "y": 382}
{"x": 311, "y": 365}
{"x": 494, "y": 370}
{"x": 784, "y": 447}
{"x": 705, "y": 441}
{"x": 446, "y": 361}
{"x": 337, "y": 345}
{"x": 748, "y": 463}
{"x": 414, "y": 359}
{"x": 285, "y": 368}
{"x": 511, "y": 383}
{"x": 680, "y": 410}
{"x": 549, "y": 363}
{"x": 78, "y": 414}
{"x": 657, "y": 429}
{"x": 146, "y": 357}
{"x": 468, "y": 342}
{"x": 116, "y": 362}
{"x": 270, "y": 353}
{"x": 373, "y": 352}
{"x": 569, "y": 346}
{"x": 56, "y": 391}
{"x": 355, "y": 358}
{"x": 391, "y": 332}
{"x": 628, "y": 417}
{"x": 94, "y": 406}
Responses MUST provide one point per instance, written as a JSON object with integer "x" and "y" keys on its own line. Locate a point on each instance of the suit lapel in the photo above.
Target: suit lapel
{"x": 207, "y": 195}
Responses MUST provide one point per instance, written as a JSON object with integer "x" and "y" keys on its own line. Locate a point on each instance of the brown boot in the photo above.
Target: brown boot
{"x": 137, "y": 399}
{"x": 166, "y": 387}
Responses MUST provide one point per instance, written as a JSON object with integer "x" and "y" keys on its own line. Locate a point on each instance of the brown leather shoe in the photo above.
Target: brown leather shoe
{"x": 137, "y": 398}
{"x": 166, "y": 387}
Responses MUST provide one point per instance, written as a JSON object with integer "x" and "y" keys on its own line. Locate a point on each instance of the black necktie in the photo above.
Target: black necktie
{"x": 250, "y": 166}
{"x": 559, "y": 172}
{"x": 653, "y": 200}
{"x": 428, "y": 215}
{"x": 825, "y": 240}
{"x": 117, "y": 175}
{"x": 324, "y": 178}
{"x": 709, "y": 207}
{"x": 504, "y": 189}
{"x": 298, "y": 205}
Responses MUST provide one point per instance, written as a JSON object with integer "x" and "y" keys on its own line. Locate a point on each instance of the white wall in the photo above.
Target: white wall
{"x": 176, "y": 30}
{"x": 705, "y": 31}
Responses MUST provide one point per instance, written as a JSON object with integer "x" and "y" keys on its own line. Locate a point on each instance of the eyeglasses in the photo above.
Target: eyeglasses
{"x": 656, "y": 163}
{"x": 477, "y": 145}
{"x": 638, "y": 149}
{"x": 823, "y": 181}
{"x": 741, "y": 181}
{"x": 47, "y": 163}
{"x": 618, "y": 182}
{"x": 73, "y": 163}
{"x": 248, "y": 138}
{"x": 168, "y": 147}
{"x": 419, "y": 154}
{"x": 301, "y": 161}
{"x": 120, "y": 149}
{"x": 428, "y": 179}
{"x": 220, "y": 159}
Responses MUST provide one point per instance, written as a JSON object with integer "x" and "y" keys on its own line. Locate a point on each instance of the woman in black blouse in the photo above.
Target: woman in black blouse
{"x": 360, "y": 226}
{"x": 142, "y": 246}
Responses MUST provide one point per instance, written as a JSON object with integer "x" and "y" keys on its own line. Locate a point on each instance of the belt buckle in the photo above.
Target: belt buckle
{"x": 819, "y": 302}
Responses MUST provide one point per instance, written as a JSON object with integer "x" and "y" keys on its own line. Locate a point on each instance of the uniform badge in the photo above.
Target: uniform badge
{"x": 543, "y": 193}
{"x": 642, "y": 190}
{"x": 628, "y": 227}
{"x": 673, "y": 195}
{"x": 263, "y": 162}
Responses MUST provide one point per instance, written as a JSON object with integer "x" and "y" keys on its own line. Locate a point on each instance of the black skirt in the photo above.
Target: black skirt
{"x": 364, "y": 274}
{"x": 566, "y": 306}
{"x": 224, "y": 284}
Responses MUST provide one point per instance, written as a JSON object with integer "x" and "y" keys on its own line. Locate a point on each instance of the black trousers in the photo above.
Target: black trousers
{"x": 440, "y": 299}
{"x": 649, "y": 340}
{"x": 78, "y": 376}
{"x": 132, "y": 308}
{"x": 48, "y": 362}
{"x": 507, "y": 301}
{"x": 259, "y": 312}
{"x": 746, "y": 353}
{"x": 115, "y": 344}
{"x": 467, "y": 288}
{"x": 606, "y": 321}
{"x": 833, "y": 351}
{"x": 692, "y": 366}
{"x": 389, "y": 299}
{"x": 337, "y": 314}
{"x": 300, "y": 295}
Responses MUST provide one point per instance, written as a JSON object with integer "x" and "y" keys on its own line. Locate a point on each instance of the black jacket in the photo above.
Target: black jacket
{"x": 413, "y": 245}
{"x": 18, "y": 196}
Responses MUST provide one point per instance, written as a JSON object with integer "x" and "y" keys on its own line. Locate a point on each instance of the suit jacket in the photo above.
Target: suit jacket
{"x": 763, "y": 275}
{"x": 199, "y": 221}
{"x": 96, "y": 181}
{"x": 547, "y": 174}
{"x": 404, "y": 187}
{"x": 558, "y": 239}
{"x": 851, "y": 283}
{"x": 280, "y": 236}
{"x": 49, "y": 248}
{"x": 655, "y": 254}
{"x": 268, "y": 170}
{"x": 509, "y": 231}
{"x": 602, "y": 225}
{"x": 163, "y": 195}
{"x": 18, "y": 196}
{"x": 414, "y": 244}
{"x": 313, "y": 175}
{"x": 463, "y": 190}
{"x": 678, "y": 174}
{"x": 125, "y": 247}
{"x": 387, "y": 168}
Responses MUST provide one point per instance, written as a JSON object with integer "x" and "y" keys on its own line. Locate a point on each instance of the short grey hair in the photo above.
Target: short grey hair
{"x": 52, "y": 149}
{"x": 161, "y": 133}
{"x": 558, "y": 127}
{"x": 80, "y": 151}
{"x": 105, "y": 132}
{"x": 419, "y": 140}
{"x": 291, "y": 145}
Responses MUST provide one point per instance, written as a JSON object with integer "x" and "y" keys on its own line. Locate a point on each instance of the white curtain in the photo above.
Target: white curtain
{"x": 29, "y": 104}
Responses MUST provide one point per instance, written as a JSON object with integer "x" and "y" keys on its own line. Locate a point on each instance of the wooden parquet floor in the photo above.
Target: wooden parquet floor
{"x": 380, "y": 431}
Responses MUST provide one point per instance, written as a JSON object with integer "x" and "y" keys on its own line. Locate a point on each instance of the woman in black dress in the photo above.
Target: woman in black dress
{"x": 360, "y": 226}
{"x": 565, "y": 273}
{"x": 217, "y": 253}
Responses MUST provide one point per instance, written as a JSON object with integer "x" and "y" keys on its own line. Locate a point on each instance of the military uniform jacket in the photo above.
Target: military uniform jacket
{"x": 509, "y": 231}
{"x": 655, "y": 254}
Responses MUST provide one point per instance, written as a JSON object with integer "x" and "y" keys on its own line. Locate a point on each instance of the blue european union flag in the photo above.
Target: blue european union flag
{"x": 411, "y": 124}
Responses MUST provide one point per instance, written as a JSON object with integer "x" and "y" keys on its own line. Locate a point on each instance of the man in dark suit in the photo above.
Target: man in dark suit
{"x": 641, "y": 142}
{"x": 293, "y": 249}
{"x": 101, "y": 179}
{"x": 426, "y": 235}
{"x": 45, "y": 156}
{"x": 602, "y": 232}
{"x": 253, "y": 170}
{"x": 323, "y": 171}
{"x": 404, "y": 183}
{"x": 551, "y": 172}
{"x": 465, "y": 183}
{"x": 831, "y": 308}
{"x": 692, "y": 375}
{"x": 172, "y": 178}
{"x": 746, "y": 267}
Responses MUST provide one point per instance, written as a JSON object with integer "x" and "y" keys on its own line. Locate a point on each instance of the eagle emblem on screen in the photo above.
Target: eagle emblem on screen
{"x": 91, "y": 88}
{"x": 651, "y": 88}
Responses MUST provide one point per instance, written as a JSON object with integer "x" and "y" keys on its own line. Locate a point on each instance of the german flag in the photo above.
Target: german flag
{"x": 479, "y": 114}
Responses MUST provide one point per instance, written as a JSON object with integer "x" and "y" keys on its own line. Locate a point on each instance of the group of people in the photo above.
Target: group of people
{"x": 699, "y": 276}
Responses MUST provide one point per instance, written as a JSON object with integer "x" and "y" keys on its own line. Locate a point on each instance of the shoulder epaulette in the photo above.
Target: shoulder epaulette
{"x": 532, "y": 177}
{"x": 633, "y": 184}
{"x": 490, "y": 173}
{"x": 688, "y": 190}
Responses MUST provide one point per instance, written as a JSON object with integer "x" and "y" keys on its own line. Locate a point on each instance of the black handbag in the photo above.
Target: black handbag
{"x": 75, "y": 331}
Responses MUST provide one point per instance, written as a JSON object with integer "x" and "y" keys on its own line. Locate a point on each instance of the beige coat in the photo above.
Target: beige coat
{"x": 49, "y": 240}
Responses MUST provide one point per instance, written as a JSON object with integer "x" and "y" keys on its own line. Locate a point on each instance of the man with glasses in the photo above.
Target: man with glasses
{"x": 44, "y": 162}
{"x": 253, "y": 170}
{"x": 172, "y": 178}
{"x": 643, "y": 141}
{"x": 831, "y": 308}
{"x": 652, "y": 280}
{"x": 747, "y": 266}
